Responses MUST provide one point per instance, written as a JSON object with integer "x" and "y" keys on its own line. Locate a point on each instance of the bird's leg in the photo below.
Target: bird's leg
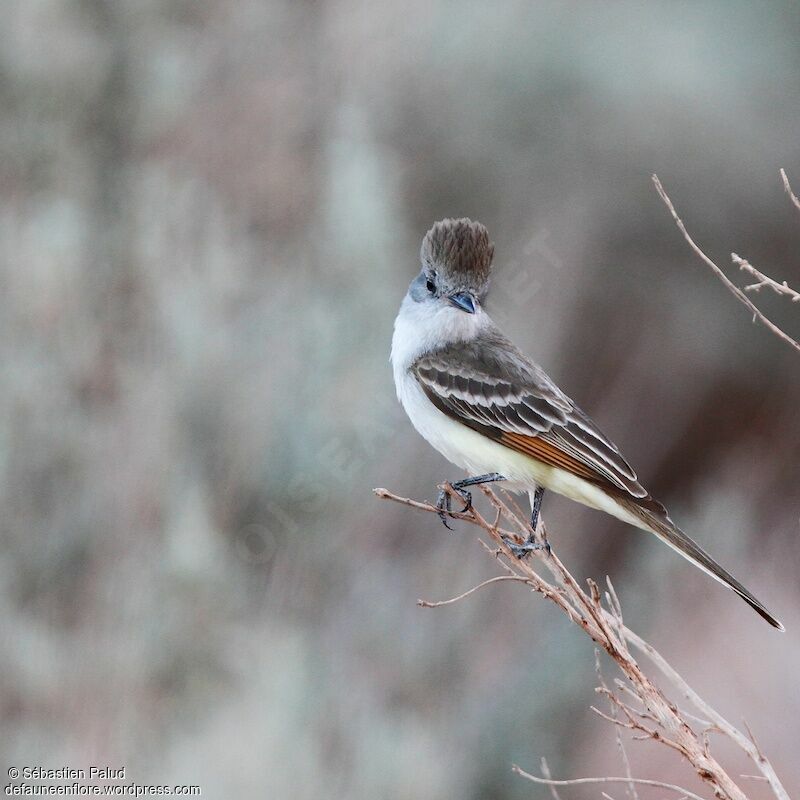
{"x": 530, "y": 544}
{"x": 443, "y": 502}
{"x": 459, "y": 486}
{"x": 536, "y": 506}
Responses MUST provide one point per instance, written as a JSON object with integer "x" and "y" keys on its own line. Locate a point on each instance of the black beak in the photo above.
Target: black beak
{"x": 463, "y": 300}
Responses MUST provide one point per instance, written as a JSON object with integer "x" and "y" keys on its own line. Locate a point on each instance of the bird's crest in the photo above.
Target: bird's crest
{"x": 459, "y": 248}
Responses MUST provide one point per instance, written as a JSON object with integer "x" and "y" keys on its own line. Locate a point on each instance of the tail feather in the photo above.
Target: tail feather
{"x": 663, "y": 527}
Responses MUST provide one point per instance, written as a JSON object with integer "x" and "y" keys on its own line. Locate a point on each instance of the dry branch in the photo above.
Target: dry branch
{"x": 732, "y": 287}
{"x": 578, "y": 781}
{"x": 653, "y": 716}
{"x": 788, "y": 188}
{"x": 763, "y": 280}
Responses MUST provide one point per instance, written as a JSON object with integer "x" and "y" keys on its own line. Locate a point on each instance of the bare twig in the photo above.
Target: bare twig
{"x": 734, "y": 290}
{"x": 578, "y": 781}
{"x": 792, "y": 195}
{"x": 546, "y": 773}
{"x": 658, "y": 719}
{"x": 763, "y": 280}
{"x": 496, "y": 579}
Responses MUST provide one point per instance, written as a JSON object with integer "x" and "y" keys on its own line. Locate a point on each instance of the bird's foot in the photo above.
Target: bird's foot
{"x": 443, "y": 503}
{"x": 528, "y": 546}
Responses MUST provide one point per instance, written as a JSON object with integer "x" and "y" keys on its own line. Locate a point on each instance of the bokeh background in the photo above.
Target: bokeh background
{"x": 209, "y": 212}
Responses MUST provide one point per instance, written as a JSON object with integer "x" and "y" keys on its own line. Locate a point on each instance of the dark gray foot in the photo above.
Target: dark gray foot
{"x": 443, "y": 504}
{"x": 527, "y": 547}
{"x": 530, "y": 544}
{"x": 443, "y": 501}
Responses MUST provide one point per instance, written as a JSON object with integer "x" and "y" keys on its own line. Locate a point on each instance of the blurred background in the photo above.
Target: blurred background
{"x": 209, "y": 213}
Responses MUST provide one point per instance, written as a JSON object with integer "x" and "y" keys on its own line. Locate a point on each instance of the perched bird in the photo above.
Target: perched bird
{"x": 496, "y": 414}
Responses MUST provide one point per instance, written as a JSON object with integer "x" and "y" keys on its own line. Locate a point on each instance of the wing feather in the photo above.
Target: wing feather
{"x": 490, "y": 386}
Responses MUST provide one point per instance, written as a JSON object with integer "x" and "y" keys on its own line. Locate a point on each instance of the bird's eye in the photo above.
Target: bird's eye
{"x": 431, "y": 286}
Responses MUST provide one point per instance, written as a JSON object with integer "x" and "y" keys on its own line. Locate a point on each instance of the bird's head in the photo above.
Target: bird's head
{"x": 456, "y": 257}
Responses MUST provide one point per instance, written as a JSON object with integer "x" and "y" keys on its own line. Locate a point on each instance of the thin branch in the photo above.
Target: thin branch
{"x": 546, "y": 773}
{"x": 788, "y": 188}
{"x": 699, "y": 720}
{"x": 764, "y": 280}
{"x": 734, "y": 290}
{"x": 753, "y": 739}
{"x": 496, "y": 579}
{"x": 387, "y": 495}
{"x": 579, "y": 781}
{"x": 620, "y": 723}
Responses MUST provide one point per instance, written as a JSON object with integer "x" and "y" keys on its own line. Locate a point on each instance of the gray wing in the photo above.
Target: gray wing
{"x": 490, "y": 386}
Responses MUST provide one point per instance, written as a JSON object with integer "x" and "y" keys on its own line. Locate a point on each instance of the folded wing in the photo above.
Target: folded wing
{"x": 493, "y": 388}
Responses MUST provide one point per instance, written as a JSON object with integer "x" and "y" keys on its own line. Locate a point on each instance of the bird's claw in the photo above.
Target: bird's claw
{"x": 443, "y": 503}
{"x": 443, "y": 506}
{"x": 529, "y": 546}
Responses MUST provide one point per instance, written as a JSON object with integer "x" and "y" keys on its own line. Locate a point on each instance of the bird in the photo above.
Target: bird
{"x": 497, "y": 415}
